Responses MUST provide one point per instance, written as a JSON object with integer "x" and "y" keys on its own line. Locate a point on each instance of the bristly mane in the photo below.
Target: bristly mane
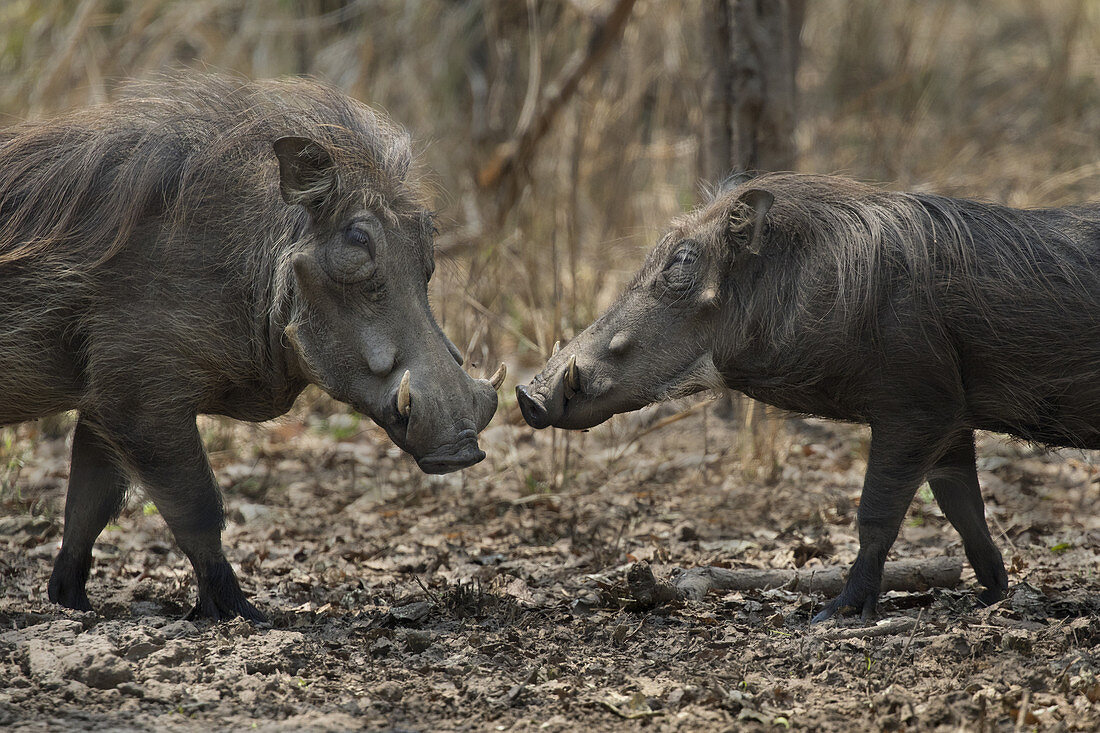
{"x": 184, "y": 149}
{"x": 861, "y": 243}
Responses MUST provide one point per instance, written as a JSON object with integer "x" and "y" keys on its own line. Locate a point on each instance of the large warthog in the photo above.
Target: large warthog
{"x": 209, "y": 245}
{"x": 925, "y": 317}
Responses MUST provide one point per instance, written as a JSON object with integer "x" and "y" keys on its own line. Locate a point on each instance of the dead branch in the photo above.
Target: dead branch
{"x": 657, "y": 425}
{"x": 513, "y": 155}
{"x": 695, "y": 583}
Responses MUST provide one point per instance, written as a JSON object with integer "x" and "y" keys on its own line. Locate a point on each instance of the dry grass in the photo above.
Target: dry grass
{"x": 988, "y": 100}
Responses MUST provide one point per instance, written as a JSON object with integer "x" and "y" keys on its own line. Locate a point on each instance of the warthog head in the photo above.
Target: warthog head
{"x": 360, "y": 325}
{"x": 661, "y": 338}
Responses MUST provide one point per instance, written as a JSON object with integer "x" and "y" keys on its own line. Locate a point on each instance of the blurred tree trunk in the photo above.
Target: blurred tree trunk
{"x": 753, "y": 49}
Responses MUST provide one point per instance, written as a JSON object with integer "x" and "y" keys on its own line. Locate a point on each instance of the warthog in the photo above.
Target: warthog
{"x": 922, "y": 316}
{"x": 208, "y": 245}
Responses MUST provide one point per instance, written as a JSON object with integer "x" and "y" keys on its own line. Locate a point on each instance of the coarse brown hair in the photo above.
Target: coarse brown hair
{"x": 188, "y": 148}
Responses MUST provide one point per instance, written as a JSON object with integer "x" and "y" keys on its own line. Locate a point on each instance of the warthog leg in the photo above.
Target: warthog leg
{"x": 954, "y": 482}
{"x": 97, "y": 489}
{"x": 899, "y": 458}
{"x": 167, "y": 456}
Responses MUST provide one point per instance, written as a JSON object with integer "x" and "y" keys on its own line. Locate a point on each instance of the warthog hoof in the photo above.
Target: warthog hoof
{"x": 220, "y": 597}
{"x": 68, "y": 582}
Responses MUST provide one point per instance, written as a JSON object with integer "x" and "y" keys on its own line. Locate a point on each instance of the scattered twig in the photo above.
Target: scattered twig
{"x": 635, "y": 715}
{"x": 1003, "y": 533}
{"x": 905, "y": 649}
{"x": 517, "y": 690}
{"x": 670, "y": 419}
{"x": 1021, "y": 717}
{"x": 1061, "y": 678}
{"x": 887, "y": 627}
{"x": 534, "y": 497}
{"x": 428, "y": 591}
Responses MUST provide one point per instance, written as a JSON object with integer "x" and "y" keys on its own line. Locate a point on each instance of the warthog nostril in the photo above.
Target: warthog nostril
{"x": 619, "y": 344}
{"x": 533, "y": 411}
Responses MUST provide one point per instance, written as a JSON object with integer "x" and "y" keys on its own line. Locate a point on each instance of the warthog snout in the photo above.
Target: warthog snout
{"x": 641, "y": 351}
{"x": 436, "y": 415}
{"x": 545, "y": 401}
{"x": 534, "y": 412}
{"x": 542, "y": 403}
{"x": 563, "y": 394}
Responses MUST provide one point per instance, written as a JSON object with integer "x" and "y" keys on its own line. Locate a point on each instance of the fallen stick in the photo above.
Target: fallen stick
{"x": 693, "y": 584}
{"x": 886, "y": 627}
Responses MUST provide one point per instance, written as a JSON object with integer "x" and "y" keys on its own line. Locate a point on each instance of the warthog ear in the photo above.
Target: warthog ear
{"x": 759, "y": 202}
{"x": 733, "y": 180}
{"x": 307, "y": 175}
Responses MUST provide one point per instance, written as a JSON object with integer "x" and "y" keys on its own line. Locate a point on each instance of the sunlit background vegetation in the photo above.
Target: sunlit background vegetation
{"x": 994, "y": 100}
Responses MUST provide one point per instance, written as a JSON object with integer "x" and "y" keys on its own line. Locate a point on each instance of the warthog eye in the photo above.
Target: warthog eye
{"x": 683, "y": 257}
{"x": 350, "y": 256}
{"x": 360, "y": 236}
{"x": 679, "y": 274}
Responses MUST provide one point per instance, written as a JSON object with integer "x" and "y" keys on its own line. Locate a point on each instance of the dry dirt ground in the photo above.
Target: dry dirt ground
{"x": 495, "y": 599}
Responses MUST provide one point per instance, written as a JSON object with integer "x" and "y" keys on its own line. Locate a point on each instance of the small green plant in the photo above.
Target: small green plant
{"x": 927, "y": 498}
{"x": 343, "y": 425}
{"x": 12, "y": 453}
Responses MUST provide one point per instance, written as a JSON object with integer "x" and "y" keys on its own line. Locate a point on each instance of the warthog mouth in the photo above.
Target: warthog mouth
{"x": 457, "y": 454}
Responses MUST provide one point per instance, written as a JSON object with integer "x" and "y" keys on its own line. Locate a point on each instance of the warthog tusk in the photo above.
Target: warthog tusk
{"x": 498, "y": 376}
{"x": 557, "y": 348}
{"x": 404, "y": 395}
{"x": 571, "y": 384}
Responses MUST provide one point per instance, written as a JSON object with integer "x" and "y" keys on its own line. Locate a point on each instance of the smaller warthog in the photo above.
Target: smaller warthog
{"x": 209, "y": 245}
{"x": 925, "y": 317}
